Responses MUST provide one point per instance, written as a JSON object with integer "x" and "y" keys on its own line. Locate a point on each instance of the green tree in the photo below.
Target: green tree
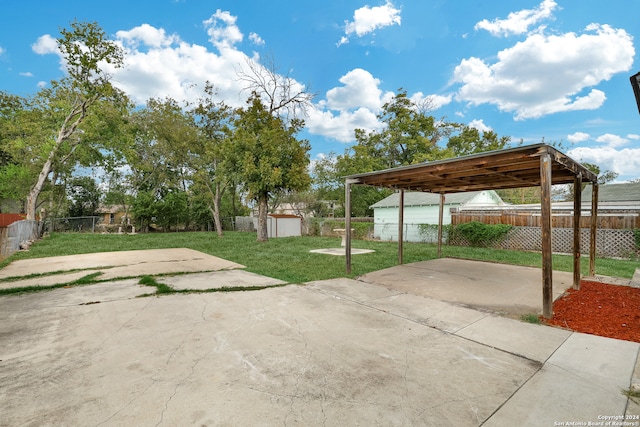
{"x": 172, "y": 209}
{"x": 470, "y": 141}
{"x": 144, "y": 209}
{"x": 68, "y": 103}
{"x": 84, "y": 196}
{"x": 158, "y": 157}
{"x": 267, "y": 156}
{"x": 410, "y": 135}
{"x": 603, "y": 177}
{"x": 213, "y": 121}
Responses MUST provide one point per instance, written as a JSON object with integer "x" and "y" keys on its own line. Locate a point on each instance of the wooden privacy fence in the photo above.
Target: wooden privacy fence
{"x": 614, "y": 235}
{"x": 626, "y": 220}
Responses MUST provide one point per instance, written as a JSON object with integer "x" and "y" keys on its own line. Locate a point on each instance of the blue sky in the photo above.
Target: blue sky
{"x": 552, "y": 69}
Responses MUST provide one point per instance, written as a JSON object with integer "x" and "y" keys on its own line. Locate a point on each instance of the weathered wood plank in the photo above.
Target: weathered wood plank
{"x": 547, "y": 260}
{"x": 577, "y": 210}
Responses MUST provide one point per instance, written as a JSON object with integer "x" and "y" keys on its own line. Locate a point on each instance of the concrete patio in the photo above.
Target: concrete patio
{"x": 332, "y": 352}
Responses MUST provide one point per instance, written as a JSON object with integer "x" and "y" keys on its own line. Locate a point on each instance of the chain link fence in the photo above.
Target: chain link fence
{"x": 77, "y": 224}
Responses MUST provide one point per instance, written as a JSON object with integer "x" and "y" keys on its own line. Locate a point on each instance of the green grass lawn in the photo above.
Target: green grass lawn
{"x": 289, "y": 258}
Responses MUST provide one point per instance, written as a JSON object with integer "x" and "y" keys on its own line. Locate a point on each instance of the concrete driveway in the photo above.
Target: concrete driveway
{"x": 335, "y": 352}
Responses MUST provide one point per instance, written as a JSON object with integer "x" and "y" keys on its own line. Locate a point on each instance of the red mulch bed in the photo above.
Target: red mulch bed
{"x": 600, "y": 309}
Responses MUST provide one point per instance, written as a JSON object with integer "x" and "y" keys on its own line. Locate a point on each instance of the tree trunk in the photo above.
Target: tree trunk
{"x": 216, "y": 209}
{"x": 263, "y": 234}
{"x": 32, "y": 197}
{"x": 216, "y": 197}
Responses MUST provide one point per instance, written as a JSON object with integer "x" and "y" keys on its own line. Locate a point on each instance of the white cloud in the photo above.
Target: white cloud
{"x": 625, "y": 162}
{"x": 578, "y": 137}
{"x": 45, "y": 44}
{"x": 367, "y": 19}
{"x": 1, "y": 50}
{"x": 340, "y": 125}
{"x": 222, "y": 29}
{"x": 42, "y": 84}
{"x": 633, "y": 136}
{"x": 26, "y": 74}
{"x": 611, "y": 140}
{"x": 360, "y": 90}
{"x": 158, "y": 65}
{"x": 479, "y": 124}
{"x": 256, "y": 39}
{"x": 518, "y": 22}
{"x": 547, "y": 74}
{"x": 345, "y": 108}
{"x": 146, "y": 35}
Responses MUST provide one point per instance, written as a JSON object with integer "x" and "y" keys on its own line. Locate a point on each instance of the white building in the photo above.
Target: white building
{"x": 281, "y": 225}
{"x": 421, "y": 213}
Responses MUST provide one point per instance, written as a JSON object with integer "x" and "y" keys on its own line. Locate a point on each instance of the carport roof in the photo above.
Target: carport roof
{"x": 511, "y": 168}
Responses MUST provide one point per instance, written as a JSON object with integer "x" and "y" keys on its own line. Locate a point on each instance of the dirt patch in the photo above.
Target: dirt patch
{"x": 600, "y": 309}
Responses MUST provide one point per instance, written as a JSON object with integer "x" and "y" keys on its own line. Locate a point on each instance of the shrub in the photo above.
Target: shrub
{"x": 479, "y": 234}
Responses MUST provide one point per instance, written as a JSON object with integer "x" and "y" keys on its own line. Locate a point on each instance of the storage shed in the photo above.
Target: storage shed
{"x": 422, "y": 209}
{"x": 283, "y": 225}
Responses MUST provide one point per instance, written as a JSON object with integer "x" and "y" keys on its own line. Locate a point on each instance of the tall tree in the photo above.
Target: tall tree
{"x": 410, "y": 135}
{"x": 281, "y": 94}
{"x": 286, "y": 100}
{"x": 85, "y": 49}
{"x": 267, "y": 156}
{"x": 470, "y": 141}
{"x": 163, "y": 135}
{"x": 213, "y": 121}
{"x": 159, "y": 159}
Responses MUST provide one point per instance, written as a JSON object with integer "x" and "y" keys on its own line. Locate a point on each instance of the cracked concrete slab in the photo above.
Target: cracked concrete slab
{"x": 122, "y": 264}
{"x": 218, "y": 280}
{"x": 288, "y": 356}
{"x": 588, "y": 371}
{"x": 334, "y": 352}
{"x": 52, "y": 280}
{"x": 510, "y": 289}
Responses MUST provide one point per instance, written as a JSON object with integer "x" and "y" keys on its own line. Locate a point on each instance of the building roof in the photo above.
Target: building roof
{"x": 629, "y": 192}
{"x": 425, "y": 199}
{"x": 511, "y": 168}
{"x": 274, "y": 215}
{"x": 111, "y": 209}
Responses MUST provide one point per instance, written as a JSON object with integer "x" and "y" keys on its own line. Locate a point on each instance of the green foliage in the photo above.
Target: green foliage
{"x": 84, "y": 196}
{"x": 266, "y": 153}
{"x": 161, "y": 288}
{"x": 531, "y": 318}
{"x": 85, "y": 46}
{"x": 266, "y": 156}
{"x": 71, "y": 121}
{"x": 428, "y": 230}
{"x": 409, "y": 136}
{"x": 479, "y": 234}
{"x": 143, "y": 209}
{"x": 469, "y": 141}
{"x": 636, "y": 237}
{"x": 172, "y": 209}
{"x": 361, "y": 230}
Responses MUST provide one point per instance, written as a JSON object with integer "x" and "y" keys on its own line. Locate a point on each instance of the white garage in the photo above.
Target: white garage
{"x": 421, "y": 213}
